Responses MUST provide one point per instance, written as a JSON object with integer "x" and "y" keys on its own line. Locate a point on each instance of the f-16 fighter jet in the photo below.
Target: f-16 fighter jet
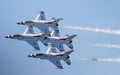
{"x": 29, "y": 37}
{"x": 59, "y": 41}
{"x": 54, "y": 57}
{"x": 42, "y": 24}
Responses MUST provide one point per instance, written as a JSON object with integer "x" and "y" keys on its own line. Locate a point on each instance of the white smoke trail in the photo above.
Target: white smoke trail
{"x": 114, "y": 60}
{"x": 107, "y": 45}
{"x": 97, "y": 30}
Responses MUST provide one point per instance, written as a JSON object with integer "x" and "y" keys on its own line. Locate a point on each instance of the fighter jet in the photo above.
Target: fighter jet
{"x": 54, "y": 57}
{"x": 59, "y": 41}
{"x": 29, "y": 37}
{"x": 42, "y": 24}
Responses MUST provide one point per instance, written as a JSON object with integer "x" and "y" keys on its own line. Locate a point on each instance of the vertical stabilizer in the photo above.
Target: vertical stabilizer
{"x": 55, "y": 33}
{"x": 29, "y": 30}
{"x": 41, "y": 16}
{"x": 51, "y": 49}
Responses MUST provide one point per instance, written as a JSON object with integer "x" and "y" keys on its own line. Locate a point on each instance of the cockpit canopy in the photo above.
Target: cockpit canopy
{"x": 28, "y": 22}
{"x": 16, "y": 35}
{"x": 40, "y": 54}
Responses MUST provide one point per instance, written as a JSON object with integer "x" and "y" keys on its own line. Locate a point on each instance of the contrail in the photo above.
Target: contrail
{"x": 107, "y": 45}
{"x": 97, "y": 30}
{"x": 114, "y": 60}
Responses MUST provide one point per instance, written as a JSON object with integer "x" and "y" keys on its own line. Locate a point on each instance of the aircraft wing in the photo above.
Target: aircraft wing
{"x": 44, "y": 29}
{"x": 33, "y": 43}
{"x": 56, "y": 63}
{"x": 67, "y": 61}
{"x": 60, "y": 46}
{"x": 44, "y": 42}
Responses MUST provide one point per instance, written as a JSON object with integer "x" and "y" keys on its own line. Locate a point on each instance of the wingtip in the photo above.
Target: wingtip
{"x": 37, "y": 48}
{"x": 59, "y": 67}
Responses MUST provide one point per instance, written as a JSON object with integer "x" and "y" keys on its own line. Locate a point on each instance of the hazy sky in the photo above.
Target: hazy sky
{"x": 94, "y": 14}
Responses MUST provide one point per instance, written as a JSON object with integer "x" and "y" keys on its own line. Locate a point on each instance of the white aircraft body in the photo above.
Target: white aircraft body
{"x": 59, "y": 41}
{"x": 29, "y": 37}
{"x": 54, "y": 57}
{"x": 42, "y": 24}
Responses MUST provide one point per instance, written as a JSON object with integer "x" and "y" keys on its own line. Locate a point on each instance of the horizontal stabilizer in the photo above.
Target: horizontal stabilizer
{"x": 72, "y": 36}
{"x": 56, "y": 20}
{"x": 59, "y": 19}
{"x": 67, "y": 61}
{"x": 68, "y": 52}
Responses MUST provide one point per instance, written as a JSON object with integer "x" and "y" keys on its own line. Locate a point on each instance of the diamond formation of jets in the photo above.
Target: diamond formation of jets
{"x": 46, "y": 37}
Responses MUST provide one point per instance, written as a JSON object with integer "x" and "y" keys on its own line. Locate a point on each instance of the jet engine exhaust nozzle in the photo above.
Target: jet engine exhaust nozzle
{"x": 20, "y": 23}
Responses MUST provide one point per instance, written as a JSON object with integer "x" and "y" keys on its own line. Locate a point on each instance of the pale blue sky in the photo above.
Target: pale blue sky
{"x": 89, "y": 13}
